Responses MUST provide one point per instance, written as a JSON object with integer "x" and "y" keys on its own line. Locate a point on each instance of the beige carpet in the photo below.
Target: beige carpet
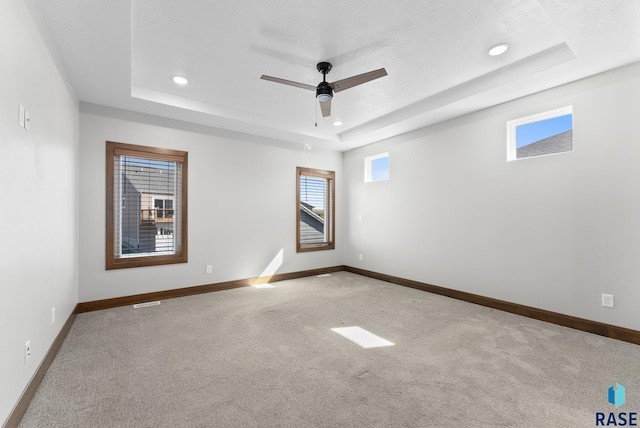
{"x": 267, "y": 358}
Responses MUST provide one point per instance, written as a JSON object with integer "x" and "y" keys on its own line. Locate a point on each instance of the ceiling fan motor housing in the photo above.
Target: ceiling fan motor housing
{"x": 324, "y": 92}
{"x": 323, "y": 67}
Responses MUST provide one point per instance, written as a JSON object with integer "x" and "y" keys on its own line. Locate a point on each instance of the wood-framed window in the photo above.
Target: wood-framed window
{"x": 146, "y": 206}
{"x": 315, "y": 209}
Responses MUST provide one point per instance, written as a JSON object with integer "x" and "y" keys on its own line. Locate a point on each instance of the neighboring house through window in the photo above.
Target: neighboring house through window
{"x": 315, "y": 209}
{"x": 540, "y": 134}
{"x": 163, "y": 208}
{"x": 146, "y": 206}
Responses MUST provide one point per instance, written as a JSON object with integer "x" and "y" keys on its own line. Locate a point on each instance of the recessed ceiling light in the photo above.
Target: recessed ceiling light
{"x": 337, "y": 123}
{"x": 180, "y": 80}
{"x": 499, "y": 49}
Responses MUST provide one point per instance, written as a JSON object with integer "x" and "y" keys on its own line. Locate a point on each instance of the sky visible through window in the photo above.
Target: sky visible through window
{"x": 149, "y": 163}
{"x": 380, "y": 169}
{"x": 535, "y": 131}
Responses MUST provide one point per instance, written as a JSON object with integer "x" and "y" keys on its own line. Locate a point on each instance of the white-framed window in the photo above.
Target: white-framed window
{"x": 376, "y": 167}
{"x": 163, "y": 208}
{"x": 540, "y": 134}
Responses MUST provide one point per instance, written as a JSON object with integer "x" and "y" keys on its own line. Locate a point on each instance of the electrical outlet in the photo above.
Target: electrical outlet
{"x": 27, "y": 351}
{"x": 209, "y": 269}
{"x": 53, "y": 315}
{"x": 360, "y": 257}
{"x": 607, "y": 300}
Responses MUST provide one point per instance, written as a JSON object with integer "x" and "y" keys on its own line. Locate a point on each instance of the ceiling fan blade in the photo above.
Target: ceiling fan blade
{"x": 288, "y": 82}
{"x": 350, "y": 82}
{"x": 325, "y": 106}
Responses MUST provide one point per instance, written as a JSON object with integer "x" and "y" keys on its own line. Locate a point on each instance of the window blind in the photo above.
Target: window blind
{"x": 315, "y": 209}
{"x": 147, "y": 198}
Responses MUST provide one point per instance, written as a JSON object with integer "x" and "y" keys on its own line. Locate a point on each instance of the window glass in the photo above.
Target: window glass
{"x": 376, "y": 168}
{"x": 541, "y": 134}
{"x": 315, "y": 209}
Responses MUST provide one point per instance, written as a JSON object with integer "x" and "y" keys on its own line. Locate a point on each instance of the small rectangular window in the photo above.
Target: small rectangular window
{"x": 376, "y": 167}
{"x": 315, "y": 209}
{"x": 541, "y": 134}
{"x": 146, "y": 206}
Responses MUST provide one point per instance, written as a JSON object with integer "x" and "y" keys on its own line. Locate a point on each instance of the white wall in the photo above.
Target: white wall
{"x": 552, "y": 232}
{"x": 38, "y": 254}
{"x": 241, "y": 203}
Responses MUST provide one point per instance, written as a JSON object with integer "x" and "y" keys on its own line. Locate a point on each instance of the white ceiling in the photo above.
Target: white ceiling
{"x": 123, "y": 53}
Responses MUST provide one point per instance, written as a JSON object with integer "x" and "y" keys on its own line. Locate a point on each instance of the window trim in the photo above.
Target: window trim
{"x": 512, "y": 150}
{"x": 154, "y": 153}
{"x": 328, "y": 175}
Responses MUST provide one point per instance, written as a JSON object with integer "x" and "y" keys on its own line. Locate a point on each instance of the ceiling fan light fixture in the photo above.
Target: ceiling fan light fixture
{"x": 324, "y": 92}
{"x": 180, "y": 80}
{"x": 499, "y": 49}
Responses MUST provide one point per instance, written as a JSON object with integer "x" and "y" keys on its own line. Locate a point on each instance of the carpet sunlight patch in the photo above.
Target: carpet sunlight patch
{"x": 145, "y": 305}
{"x": 362, "y": 337}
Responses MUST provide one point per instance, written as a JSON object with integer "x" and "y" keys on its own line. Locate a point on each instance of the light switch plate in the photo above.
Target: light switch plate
{"x": 21, "y": 115}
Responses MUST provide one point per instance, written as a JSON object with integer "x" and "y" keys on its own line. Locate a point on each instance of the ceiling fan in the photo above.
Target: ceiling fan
{"x": 324, "y": 90}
